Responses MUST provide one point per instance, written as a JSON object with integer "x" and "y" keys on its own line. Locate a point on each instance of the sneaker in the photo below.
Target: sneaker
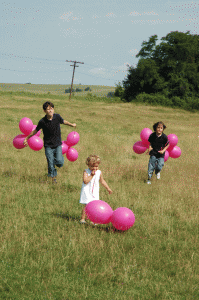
{"x": 54, "y": 181}
{"x": 158, "y": 175}
{"x": 148, "y": 181}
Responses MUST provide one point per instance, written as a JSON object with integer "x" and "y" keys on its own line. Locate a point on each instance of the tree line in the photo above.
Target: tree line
{"x": 166, "y": 74}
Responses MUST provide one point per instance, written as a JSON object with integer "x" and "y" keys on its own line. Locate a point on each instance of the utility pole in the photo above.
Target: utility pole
{"x": 75, "y": 62}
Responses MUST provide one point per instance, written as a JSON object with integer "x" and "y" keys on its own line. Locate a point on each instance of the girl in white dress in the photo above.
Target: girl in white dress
{"x": 90, "y": 186}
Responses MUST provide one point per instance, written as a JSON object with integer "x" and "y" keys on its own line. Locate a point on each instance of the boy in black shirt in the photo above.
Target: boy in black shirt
{"x": 158, "y": 145}
{"x": 52, "y": 138}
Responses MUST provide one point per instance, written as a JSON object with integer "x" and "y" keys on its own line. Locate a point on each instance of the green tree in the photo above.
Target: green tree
{"x": 170, "y": 68}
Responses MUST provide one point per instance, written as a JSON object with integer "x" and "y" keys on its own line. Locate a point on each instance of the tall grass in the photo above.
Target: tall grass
{"x": 45, "y": 253}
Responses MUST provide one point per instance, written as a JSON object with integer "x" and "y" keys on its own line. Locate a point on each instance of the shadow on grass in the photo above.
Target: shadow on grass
{"x": 135, "y": 174}
{"x": 100, "y": 227}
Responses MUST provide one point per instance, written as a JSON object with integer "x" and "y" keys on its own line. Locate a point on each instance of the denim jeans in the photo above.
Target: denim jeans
{"x": 155, "y": 164}
{"x": 54, "y": 158}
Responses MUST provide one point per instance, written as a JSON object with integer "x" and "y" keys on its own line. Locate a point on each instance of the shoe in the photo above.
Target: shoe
{"x": 82, "y": 222}
{"x": 148, "y": 181}
{"x": 158, "y": 175}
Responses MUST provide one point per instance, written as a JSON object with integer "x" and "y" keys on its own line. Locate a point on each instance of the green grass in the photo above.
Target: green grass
{"x": 54, "y": 89}
{"x": 45, "y": 253}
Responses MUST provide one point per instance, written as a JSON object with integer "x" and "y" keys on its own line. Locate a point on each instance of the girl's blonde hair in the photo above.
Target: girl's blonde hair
{"x": 92, "y": 159}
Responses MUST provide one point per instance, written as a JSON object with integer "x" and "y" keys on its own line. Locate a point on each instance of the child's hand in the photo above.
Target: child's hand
{"x": 74, "y": 125}
{"x": 93, "y": 172}
{"x": 110, "y": 191}
{"x": 161, "y": 151}
{"x": 25, "y": 142}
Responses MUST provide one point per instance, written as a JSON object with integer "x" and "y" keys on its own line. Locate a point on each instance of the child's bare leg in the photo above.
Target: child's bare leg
{"x": 83, "y": 214}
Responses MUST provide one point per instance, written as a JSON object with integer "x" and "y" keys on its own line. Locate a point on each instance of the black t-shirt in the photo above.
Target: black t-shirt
{"x": 157, "y": 143}
{"x": 51, "y": 130}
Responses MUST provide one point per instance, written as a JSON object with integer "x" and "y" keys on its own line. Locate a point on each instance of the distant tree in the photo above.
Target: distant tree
{"x": 68, "y": 90}
{"x": 78, "y": 90}
{"x": 88, "y": 89}
{"x": 110, "y": 95}
{"x": 170, "y": 68}
{"x": 119, "y": 90}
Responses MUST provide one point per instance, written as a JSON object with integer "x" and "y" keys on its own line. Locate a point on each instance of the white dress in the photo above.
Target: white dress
{"x": 90, "y": 191}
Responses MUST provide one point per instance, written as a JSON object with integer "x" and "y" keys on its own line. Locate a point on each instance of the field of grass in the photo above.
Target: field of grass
{"x": 45, "y": 253}
{"x": 55, "y": 89}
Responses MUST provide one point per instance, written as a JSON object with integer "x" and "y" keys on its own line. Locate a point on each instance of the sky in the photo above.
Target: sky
{"x": 104, "y": 36}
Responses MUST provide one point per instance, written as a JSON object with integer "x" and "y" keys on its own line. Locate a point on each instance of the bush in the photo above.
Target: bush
{"x": 78, "y": 90}
{"x": 178, "y": 102}
{"x": 110, "y": 94}
{"x": 119, "y": 91}
{"x": 68, "y": 90}
{"x": 88, "y": 89}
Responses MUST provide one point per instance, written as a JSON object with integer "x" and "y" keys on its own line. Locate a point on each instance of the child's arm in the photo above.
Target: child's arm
{"x": 149, "y": 150}
{"x": 103, "y": 182}
{"x": 69, "y": 124}
{"x": 25, "y": 142}
{"x": 163, "y": 150}
{"x": 87, "y": 178}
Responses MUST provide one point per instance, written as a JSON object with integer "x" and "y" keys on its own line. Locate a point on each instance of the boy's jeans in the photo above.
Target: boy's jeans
{"x": 155, "y": 164}
{"x": 54, "y": 158}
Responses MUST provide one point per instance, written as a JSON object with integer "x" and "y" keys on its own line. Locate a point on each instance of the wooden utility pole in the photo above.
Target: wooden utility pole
{"x": 75, "y": 62}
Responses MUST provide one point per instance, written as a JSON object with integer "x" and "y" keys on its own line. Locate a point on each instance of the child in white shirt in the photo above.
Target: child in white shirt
{"x": 90, "y": 186}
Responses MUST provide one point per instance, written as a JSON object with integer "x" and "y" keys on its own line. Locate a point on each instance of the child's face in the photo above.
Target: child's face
{"x": 49, "y": 111}
{"x": 159, "y": 129}
{"x": 94, "y": 167}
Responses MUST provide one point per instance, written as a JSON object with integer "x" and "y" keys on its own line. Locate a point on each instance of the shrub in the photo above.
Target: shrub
{"x": 68, "y": 90}
{"x": 119, "y": 91}
{"x": 178, "y": 102}
{"x": 88, "y": 89}
{"x": 110, "y": 94}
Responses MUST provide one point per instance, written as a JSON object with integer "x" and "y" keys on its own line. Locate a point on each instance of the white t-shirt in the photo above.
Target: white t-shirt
{"x": 90, "y": 191}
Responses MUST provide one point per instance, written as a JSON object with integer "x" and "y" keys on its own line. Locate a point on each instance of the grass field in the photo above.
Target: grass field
{"x": 56, "y": 89}
{"x": 45, "y": 253}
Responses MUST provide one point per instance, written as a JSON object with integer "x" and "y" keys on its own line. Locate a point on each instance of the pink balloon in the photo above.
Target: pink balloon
{"x": 144, "y": 135}
{"x": 72, "y": 138}
{"x": 64, "y": 147}
{"x": 173, "y": 140}
{"x": 175, "y": 152}
{"x": 18, "y": 141}
{"x": 26, "y": 125}
{"x": 99, "y": 212}
{"x": 35, "y": 143}
{"x": 123, "y": 218}
{"x": 72, "y": 154}
{"x": 166, "y": 156}
{"x": 38, "y": 132}
{"x": 139, "y": 148}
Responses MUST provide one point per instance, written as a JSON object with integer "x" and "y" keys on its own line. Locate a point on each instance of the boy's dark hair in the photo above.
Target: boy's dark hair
{"x": 46, "y": 104}
{"x": 156, "y": 125}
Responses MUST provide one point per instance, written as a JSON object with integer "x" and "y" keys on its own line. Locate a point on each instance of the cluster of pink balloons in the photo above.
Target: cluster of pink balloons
{"x": 172, "y": 151}
{"x": 72, "y": 139}
{"x": 26, "y": 126}
{"x": 100, "y": 212}
{"x": 141, "y": 146}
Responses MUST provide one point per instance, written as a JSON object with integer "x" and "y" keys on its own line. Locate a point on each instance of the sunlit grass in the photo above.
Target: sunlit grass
{"x": 56, "y": 89}
{"x": 46, "y": 254}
